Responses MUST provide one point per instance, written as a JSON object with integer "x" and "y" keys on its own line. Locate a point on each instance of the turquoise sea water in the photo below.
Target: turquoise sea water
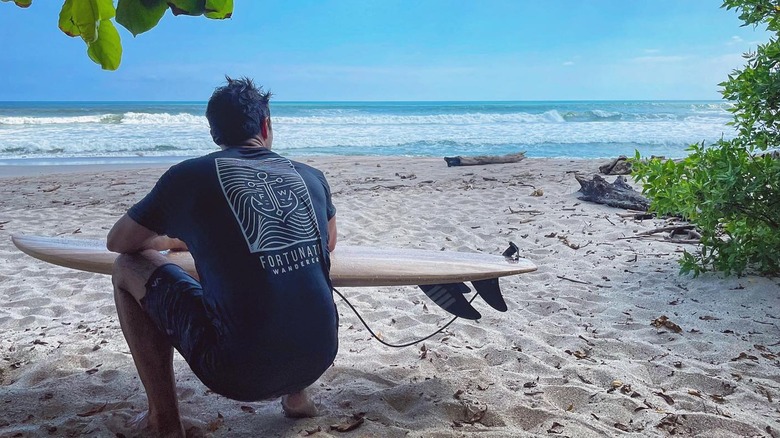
{"x": 94, "y": 132}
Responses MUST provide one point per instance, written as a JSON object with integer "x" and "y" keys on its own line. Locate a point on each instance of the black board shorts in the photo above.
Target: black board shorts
{"x": 174, "y": 302}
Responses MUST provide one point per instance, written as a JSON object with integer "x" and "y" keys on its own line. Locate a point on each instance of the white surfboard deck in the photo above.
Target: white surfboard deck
{"x": 350, "y": 265}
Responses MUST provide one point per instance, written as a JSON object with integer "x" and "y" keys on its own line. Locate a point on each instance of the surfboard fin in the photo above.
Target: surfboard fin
{"x": 450, "y": 298}
{"x": 512, "y": 252}
{"x": 491, "y": 293}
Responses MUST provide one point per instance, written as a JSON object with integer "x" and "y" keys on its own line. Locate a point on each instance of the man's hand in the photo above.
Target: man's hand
{"x": 163, "y": 243}
{"x": 178, "y": 245}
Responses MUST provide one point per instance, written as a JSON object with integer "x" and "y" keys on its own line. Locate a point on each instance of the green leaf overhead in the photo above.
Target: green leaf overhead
{"x": 219, "y": 9}
{"x": 216, "y": 9}
{"x": 107, "y": 49}
{"x": 92, "y": 20}
{"x": 66, "y": 20}
{"x": 187, "y": 7}
{"x": 21, "y": 3}
{"x": 138, "y": 16}
{"x": 83, "y": 17}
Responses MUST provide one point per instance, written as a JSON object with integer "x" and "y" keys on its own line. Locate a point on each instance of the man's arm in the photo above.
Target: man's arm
{"x": 332, "y": 234}
{"x": 128, "y": 236}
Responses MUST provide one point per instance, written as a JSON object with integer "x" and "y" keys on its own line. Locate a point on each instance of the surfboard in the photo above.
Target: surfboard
{"x": 440, "y": 274}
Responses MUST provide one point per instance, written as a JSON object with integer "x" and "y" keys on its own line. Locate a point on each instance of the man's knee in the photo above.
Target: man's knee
{"x": 131, "y": 271}
{"x": 118, "y": 271}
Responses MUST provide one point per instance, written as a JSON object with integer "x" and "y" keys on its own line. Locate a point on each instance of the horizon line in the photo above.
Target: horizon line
{"x": 375, "y": 101}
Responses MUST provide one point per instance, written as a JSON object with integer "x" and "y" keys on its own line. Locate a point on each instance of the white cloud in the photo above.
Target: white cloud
{"x": 658, "y": 59}
{"x": 568, "y": 63}
{"x": 651, "y": 51}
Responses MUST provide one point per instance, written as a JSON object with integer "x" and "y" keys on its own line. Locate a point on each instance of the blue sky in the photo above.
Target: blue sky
{"x": 393, "y": 50}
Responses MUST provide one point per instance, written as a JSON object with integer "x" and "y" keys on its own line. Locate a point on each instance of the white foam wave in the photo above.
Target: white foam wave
{"x": 163, "y": 119}
{"x": 352, "y": 118}
{"x": 551, "y": 116}
{"x": 129, "y": 118}
{"x": 173, "y": 133}
{"x": 55, "y": 120}
{"x": 681, "y": 133}
{"x": 605, "y": 114}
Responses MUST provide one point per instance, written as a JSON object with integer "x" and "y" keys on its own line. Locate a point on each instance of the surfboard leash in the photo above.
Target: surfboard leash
{"x": 407, "y": 344}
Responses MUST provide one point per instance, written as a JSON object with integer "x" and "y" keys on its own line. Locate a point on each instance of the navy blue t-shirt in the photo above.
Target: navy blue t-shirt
{"x": 257, "y": 227}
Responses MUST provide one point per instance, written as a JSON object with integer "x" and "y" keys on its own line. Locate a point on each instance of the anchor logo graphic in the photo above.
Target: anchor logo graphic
{"x": 270, "y": 202}
{"x": 273, "y": 199}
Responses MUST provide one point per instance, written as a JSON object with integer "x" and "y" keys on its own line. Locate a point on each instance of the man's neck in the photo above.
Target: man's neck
{"x": 253, "y": 142}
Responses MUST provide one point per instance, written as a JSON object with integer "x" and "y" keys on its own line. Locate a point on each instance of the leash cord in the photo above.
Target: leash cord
{"x": 387, "y": 343}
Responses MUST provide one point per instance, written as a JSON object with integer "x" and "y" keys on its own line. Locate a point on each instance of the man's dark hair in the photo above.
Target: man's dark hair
{"x": 236, "y": 111}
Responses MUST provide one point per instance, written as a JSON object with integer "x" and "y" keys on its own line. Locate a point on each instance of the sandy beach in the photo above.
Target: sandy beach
{"x": 576, "y": 355}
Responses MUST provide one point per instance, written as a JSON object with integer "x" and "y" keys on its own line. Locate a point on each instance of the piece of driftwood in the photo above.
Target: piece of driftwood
{"x": 618, "y": 166}
{"x": 672, "y": 229}
{"x": 683, "y": 234}
{"x": 618, "y": 194}
{"x": 636, "y": 216}
{"x": 484, "y": 159}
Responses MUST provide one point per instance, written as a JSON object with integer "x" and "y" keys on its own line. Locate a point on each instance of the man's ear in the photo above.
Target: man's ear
{"x": 215, "y": 137}
{"x": 265, "y": 128}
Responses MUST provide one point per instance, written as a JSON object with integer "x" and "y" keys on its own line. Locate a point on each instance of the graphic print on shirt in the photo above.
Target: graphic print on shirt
{"x": 270, "y": 201}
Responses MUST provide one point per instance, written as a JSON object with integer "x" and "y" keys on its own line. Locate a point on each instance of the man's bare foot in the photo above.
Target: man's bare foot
{"x": 143, "y": 423}
{"x": 298, "y": 405}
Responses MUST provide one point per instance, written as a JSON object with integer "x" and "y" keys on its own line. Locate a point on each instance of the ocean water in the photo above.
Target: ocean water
{"x": 95, "y": 132}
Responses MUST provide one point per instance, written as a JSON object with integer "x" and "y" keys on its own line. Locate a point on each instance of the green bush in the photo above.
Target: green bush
{"x": 729, "y": 189}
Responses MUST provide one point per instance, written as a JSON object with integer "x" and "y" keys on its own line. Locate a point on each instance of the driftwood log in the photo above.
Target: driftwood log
{"x": 484, "y": 159}
{"x": 618, "y": 194}
{"x": 618, "y": 166}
